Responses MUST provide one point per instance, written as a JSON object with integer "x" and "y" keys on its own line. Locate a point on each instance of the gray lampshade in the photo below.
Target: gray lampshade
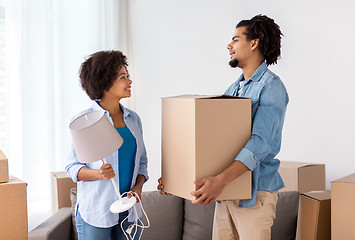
{"x": 94, "y": 137}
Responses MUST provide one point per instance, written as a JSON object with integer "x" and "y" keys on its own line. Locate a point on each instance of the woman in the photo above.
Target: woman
{"x": 105, "y": 79}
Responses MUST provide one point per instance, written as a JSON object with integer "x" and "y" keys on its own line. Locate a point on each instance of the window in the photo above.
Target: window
{"x": 2, "y": 78}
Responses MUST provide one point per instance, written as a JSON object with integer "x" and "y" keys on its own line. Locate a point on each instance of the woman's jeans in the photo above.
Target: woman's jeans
{"x": 89, "y": 232}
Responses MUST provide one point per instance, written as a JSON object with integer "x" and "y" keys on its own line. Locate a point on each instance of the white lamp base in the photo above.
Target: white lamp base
{"x": 123, "y": 205}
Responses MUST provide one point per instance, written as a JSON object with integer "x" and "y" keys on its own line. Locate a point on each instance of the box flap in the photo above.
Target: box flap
{"x": 318, "y": 195}
{"x": 2, "y": 156}
{"x": 14, "y": 180}
{"x": 61, "y": 174}
{"x": 348, "y": 179}
{"x": 297, "y": 164}
{"x": 311, "y": 178}
{"x": 222, "y": 97}
{"x": 196, "y": 96}
{"x": 193, "y": 96}
{"x": 308, "y": 214}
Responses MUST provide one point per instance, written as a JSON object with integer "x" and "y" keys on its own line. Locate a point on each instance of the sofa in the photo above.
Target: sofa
{"x": 173, "y": 218}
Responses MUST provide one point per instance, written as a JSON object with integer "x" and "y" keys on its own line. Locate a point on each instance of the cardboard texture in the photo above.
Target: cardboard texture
{"x": 343, "y": 208}
{"x": 302, "y": 177}
{"x": 13, "y": 209}
{"x": 201, "y": 136}
{"x": 61, "y": 185}
{"x": 4, "y": 168}
{"x": 314, "y": 215}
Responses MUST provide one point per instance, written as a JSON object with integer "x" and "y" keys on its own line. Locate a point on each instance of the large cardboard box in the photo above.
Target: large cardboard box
{"x": 315, "y": 215}
{"x": 201, "y": 136}
{"x": 343, "y": 208}
{"x": 13, "y": 209}
{"x": 4, "y": 168}
{"x": 61, "y": 185}
{"x": 302, "y": 177}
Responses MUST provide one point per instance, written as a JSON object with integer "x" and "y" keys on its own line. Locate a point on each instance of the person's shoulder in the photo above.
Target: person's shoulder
{"x": 271, "y": 76}
{"x": 131, "y": 112}
{"x": 274, "y": 86}
{"x": 133, "y": 117}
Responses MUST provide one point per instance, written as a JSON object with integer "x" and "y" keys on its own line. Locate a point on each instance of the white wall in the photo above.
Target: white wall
{"x": 179, "y": 47}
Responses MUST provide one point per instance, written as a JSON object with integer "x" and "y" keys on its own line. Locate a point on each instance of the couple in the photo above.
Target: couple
{"x": 256, "y": 43}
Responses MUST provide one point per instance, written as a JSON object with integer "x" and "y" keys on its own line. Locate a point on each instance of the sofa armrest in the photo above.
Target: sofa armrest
{"x": 58, "y": 227}
{"x": 285, "y": 223}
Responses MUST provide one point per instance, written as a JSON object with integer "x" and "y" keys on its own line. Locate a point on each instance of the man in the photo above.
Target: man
{"x": 255, "y": 44}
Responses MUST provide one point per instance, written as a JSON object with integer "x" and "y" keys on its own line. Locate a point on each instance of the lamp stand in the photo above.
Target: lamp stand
{"x": 123, "y": 203}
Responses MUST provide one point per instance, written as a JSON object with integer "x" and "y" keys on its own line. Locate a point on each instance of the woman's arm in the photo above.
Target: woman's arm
{"x": 138, "y": 187}
{"x": 88, "y": 174}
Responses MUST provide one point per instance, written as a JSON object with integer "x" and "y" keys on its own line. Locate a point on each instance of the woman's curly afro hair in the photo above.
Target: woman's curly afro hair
{"x": 98, "y": 72}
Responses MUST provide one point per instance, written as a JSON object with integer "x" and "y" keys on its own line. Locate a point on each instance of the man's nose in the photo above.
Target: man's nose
{"x": 229, "y": 46}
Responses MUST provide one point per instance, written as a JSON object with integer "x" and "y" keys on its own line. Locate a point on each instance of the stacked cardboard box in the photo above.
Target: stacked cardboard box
{"x": 4, "y": 168}
{"x": 201, "y": 136}
{"x": 302, "y": 177}
{"x": 61, "y": 185}
{"x": 314, "y": 215}
{"x": 13, "y": 209}
{"x": 343, "y": 208}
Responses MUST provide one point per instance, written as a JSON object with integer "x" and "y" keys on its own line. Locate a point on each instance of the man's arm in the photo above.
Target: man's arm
{"x": 267, "y": 123}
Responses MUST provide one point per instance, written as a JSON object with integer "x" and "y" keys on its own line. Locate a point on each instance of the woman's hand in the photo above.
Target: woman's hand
{"x": 89, "y": 174}
{"x": 138, "y": 190}
{"x": 106, "y": 171}
{"x": 138, "y": 187}
{"x": 160, "y": 187}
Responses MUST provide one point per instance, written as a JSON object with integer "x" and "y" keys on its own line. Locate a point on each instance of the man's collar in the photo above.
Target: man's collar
{"x": 259, "y": 72}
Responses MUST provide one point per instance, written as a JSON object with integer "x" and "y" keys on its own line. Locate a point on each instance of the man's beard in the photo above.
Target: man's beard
{"x": 233, "y": 63}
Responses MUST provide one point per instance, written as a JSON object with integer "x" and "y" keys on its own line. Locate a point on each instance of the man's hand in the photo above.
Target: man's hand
{"x": 160, "y": 187}
{"x": 211, "y": 188}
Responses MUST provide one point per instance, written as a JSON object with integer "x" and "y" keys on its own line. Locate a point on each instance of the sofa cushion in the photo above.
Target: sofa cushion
{"x": 198, "y": 221}
{"x": 165, "y": 214}
{"x": 285, "y": 224}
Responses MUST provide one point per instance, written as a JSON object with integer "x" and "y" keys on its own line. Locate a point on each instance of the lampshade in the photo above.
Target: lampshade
{"x": 94, "y": 137}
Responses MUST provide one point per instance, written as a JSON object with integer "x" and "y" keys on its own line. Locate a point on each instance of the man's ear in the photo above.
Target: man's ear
{"x": 254, "y": 44}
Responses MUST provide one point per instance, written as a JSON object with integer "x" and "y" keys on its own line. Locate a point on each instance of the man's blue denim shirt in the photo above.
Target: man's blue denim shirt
{"x": 269, "y": 102}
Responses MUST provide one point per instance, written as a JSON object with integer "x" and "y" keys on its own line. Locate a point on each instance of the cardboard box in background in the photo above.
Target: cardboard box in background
{"x": 13, "y": 209}
{"x": 343, "y": 208}
{"x": 201, "y": 136}
{"x": 61, "y": 185}
{"x": 302, "y": 177}
{"x": 314, "y": 215}
{"x": 4, "y": 168}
